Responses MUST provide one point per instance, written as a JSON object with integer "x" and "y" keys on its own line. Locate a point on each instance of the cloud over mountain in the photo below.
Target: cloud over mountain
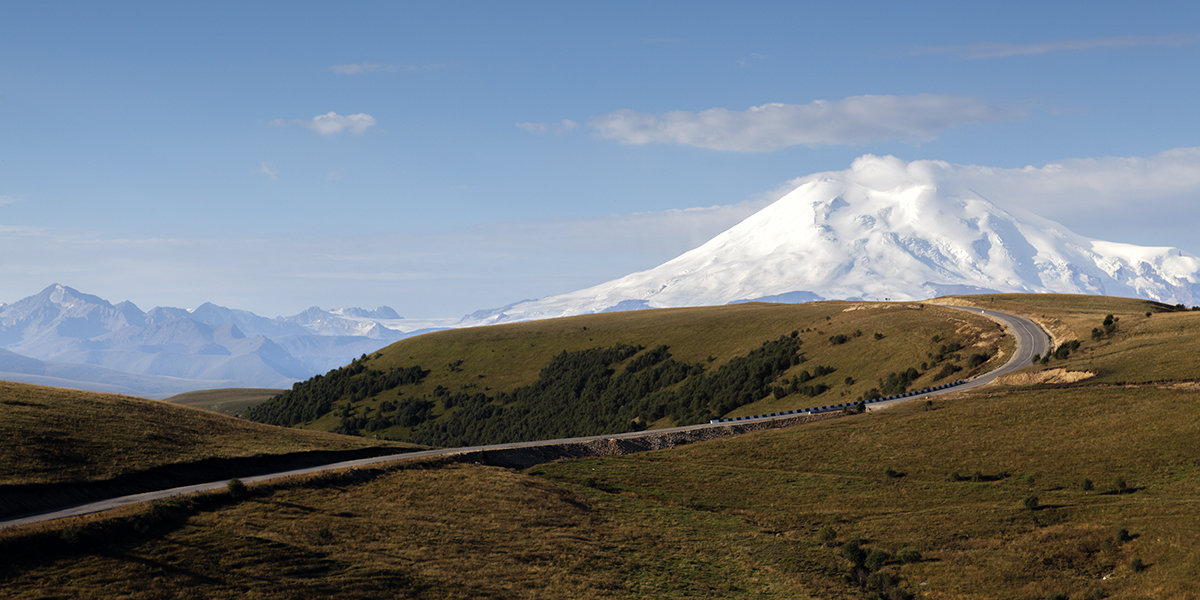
{"x": 853, "y": 120}
{"x": 885, "y": 228}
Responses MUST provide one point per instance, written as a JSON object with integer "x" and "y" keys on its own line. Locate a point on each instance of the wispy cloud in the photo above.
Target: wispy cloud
{"x": 853, "y": 120}
{"x": 1146, "y": 200}
{"x": 662, "y": 40}
{"x": 558, "y": 128}
{"x": 750, "y": 59}
{"x": 7, "y": 199}
{"x": 266, "y": 169}
{"x": 984, "y": 50}
{"x": 361, "y": 68}
{"x": 332, "y": 123}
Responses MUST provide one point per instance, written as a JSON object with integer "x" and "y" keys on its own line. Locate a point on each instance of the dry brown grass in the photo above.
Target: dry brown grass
{"x": 738, "y": 517}
{"x": 460, "y": 531}
{"x": 58, "y": 435}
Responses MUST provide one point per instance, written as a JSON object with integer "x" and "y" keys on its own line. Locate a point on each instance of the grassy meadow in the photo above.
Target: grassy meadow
{"x": 227, "y": 401}
{"x": 872, "y": 341}
{"x": 1013, "y": 491}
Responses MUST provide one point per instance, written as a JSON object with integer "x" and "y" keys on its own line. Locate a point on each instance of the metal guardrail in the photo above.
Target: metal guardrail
{"x": 835, "y": 407}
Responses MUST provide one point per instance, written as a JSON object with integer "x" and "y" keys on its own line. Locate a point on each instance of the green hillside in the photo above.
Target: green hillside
{"x": 1145, "y": 342}
{"x": 635, "y": 370}
{"x": 1019, "y": 491}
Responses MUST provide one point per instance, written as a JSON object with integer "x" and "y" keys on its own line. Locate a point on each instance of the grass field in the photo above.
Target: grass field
{"x": 1088, "y": 490}
{"x": 881, "y": 338}
{"x": 738, "y": 517}
{"x": 228, "y": 401}
{"x": 1149, "y": 344}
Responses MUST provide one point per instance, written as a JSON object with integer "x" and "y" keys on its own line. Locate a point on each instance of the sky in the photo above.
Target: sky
{"x": 444, "y": 157}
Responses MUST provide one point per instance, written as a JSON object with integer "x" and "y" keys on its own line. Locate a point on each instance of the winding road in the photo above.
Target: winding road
{"x": 1030, "y": 340}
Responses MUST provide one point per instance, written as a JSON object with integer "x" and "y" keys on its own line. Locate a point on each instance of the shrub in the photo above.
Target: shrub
{"x": 1031, "y": 503}
{"x": 1137, "y": 566}
{"x": 908, "y": 554}
{"x": 875, "y": 560}
{"x": 853, "y": 553}
{"x": 1122, "y": 536}
{"x": 826, "y": 534}
{"x": 324, "y": 536}
{"x": 881, "y": 581}
{"x": 1087, "y": 485}
{"x": 236, "y": 488}
{"x": 878, "y": 336}
{"x": 71, "y": 534}
{"x": 1119, "y": 486}
{"x": 890, "y": 472}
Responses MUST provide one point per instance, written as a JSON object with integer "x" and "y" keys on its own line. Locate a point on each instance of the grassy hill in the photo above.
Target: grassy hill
{"x": 64, "y": 445}
{"x": 627, "y": 371}
{"x": 1023, "y": 491}
{"x": 227, "y": 401}
{"x": 1149, "y": 341}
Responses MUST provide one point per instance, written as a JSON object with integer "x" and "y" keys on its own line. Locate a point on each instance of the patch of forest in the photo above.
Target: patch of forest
{"x": 586, "y": 392}
{"x": 310, "y": 399}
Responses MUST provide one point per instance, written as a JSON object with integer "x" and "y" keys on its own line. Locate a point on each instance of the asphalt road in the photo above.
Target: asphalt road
{"x": 1030, "y": 340}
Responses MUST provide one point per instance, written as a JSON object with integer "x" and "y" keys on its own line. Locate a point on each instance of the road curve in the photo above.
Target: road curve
{"x": 1030, "y": 340}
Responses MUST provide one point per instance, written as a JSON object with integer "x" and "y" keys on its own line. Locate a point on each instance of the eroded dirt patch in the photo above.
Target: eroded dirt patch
{"x": 1048, "y": 376}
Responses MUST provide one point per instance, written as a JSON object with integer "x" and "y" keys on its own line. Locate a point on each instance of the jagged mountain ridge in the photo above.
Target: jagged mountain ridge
{"x": 884, "y": 228}
{"x": 82, "y": 340}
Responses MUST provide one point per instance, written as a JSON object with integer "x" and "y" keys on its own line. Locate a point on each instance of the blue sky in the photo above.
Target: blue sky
{"x": 445, "y": 157}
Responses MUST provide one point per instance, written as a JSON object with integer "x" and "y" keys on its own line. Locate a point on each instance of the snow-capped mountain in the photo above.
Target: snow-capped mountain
{"x": 884, "y": 228}
{"x": 64, "y": 337}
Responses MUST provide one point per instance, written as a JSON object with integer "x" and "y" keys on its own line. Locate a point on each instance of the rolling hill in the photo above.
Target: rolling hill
{"x": 635, "y": 370}
{"x": 1030, "y": 489}
{"x": 65, "y": 445}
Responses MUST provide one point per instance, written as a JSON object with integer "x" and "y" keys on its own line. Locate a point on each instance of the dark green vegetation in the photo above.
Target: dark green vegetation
{"x": 630, "y": 371}
{"x": 63, "y": 446}
{"x": 228, "y": 401}
{"x": 1080, "y": 489}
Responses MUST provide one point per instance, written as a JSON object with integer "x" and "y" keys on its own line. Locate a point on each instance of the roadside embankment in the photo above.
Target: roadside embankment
{"x": 24, "y": 499}
{"x": 527, "y": 456}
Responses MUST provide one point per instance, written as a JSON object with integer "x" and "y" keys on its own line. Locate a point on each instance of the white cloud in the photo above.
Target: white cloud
{"x": 752, "y": 58}
{"x": 360, "y": 68}
{"x": 853, "y": 120}
{"x": 1151, "y": 200}
{"x": 1002, "y": 50}
{"x": 7, "y": 199}
{"x": 330, "y": 123}
{"x": 1145, "y": 200}
{"x": 266, "y": 169}
{"x": 558, "y": 128}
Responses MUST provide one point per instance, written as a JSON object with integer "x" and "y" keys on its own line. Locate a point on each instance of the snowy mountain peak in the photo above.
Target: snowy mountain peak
{"x": 884, "y": 228}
